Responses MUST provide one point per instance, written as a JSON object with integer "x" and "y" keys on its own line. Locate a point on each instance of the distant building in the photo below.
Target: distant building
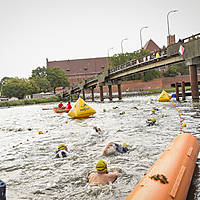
{"x": 151, "y": 46}
{"x": 80, "y": 69}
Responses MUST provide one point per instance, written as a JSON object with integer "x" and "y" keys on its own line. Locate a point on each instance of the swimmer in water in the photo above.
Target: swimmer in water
{"x": 112, "y": 148}
{"x": 98, "y": 130}
{"x": 62, "y": 151}
{"x": 102, "y": 177}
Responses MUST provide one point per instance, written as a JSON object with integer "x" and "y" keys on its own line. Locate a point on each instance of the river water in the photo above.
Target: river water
{"x": 27, "y": 163}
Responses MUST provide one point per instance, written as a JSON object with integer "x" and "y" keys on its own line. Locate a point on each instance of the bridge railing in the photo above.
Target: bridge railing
{"x": 146, "y": 59}
{"x": 153, "y": 57}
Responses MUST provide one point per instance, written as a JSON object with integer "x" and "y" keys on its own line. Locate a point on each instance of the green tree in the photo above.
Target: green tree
{"x": 15, "y": 87}
{"x": 3, "y": 80}
{"x": 151, "y": 74}
{"x": 57, "y": 77}
{"x": 43, "y": 84}
{"x": 171, "y": 72}
{"x": 123, "y": 58}
{"x": 39, "y": 72}
{"x": 32, "y": 86}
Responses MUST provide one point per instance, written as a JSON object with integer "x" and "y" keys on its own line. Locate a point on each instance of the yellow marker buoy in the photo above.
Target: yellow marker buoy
{"x": 40, "y": 132}
{"x": 180, "y": 113}
{"x": 177, "y": 108}
{"x": 183, "y": 125}
{"x": 66, "y": 122}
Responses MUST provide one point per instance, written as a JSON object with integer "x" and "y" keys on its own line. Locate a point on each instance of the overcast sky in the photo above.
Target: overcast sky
{"x": 33, "y": 30}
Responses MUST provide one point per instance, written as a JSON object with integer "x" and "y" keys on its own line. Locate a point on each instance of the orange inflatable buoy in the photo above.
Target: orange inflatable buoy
{"x": 170, "y": 176}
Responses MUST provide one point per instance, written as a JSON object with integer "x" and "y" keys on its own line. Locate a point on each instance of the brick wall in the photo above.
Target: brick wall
{"x": 161, "y": 83}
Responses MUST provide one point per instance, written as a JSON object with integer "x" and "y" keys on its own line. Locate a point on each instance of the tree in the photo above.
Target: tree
{"x": 39, "y": 72}
{"x": 43, "y": 84}
{"x": 151, "y": 74}
{"x": 15, "y": 87}
{"x": 171, "y": 72}
{"x": 32, "y": 87}
{"x": 123, "y": 58}
{"x": 57, "y": 77}
{"x": 3, "y": 80}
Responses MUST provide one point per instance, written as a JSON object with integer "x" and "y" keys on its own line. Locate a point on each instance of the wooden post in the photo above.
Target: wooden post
{"x": 183, "y": 90}
{"x": 194, "y": 82}
{"x": 101, "y": 93}
{"x": 83, "y": 94}
{"x": 110, "y": 92}
{"x": 177, "y": 91}
{"x": 119, "y": 91}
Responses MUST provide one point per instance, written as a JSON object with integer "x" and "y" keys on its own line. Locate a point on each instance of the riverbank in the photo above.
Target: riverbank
{"x": 28, "y": 101}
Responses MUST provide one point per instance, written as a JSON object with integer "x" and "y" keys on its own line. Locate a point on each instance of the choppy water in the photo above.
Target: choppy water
{"x": 31, "y": 172}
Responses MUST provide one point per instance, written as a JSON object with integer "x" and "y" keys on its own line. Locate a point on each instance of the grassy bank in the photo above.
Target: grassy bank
{"x": 28, "y": 102}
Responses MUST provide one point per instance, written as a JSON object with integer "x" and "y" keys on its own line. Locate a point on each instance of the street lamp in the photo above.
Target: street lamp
{"x": 141, "y": 34}
{"x": 109, "y": 50}
{"x": 122, "y": 45}
{"x": 172, "y": 11}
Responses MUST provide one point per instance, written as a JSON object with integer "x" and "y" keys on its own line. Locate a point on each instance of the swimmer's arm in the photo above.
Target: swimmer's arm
{"x": 113, "y": 176}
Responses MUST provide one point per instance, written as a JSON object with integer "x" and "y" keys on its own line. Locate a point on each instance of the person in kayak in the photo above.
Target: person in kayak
{"x": 102, "y": 176}
{"x": 62, "y": 151}
{"x": 60, "y": 105}
{"x": 69, "y": 106}
{"x": 112, "y": 148}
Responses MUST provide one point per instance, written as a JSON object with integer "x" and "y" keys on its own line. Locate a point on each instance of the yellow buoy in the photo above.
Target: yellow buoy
{"x": 180, "y": 113}
{"x": 66, "y": 122}
{"x": 183, "y": 125}
{"x": 40, "y": 132}
{"x": 177, "y": 108}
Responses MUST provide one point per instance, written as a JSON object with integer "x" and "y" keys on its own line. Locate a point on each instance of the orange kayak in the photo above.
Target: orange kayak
{"x": 61, "y": 110}
{"x": 170, "y": 176}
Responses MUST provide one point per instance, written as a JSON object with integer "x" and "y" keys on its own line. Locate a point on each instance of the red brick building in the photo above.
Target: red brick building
{"x": 80, "y": 69}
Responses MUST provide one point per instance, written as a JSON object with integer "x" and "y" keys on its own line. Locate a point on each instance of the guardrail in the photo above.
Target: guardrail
{"x": 136, "y": 63}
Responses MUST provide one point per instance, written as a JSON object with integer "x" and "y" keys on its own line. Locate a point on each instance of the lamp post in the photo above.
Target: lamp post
{"x": 122, "y": 45}
{"x": 141, "y": 34}
{"x": 172, "y": 11}
{"x": 109, "y": 51}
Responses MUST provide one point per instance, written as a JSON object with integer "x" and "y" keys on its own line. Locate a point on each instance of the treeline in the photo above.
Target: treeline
{"x": 42, "y": 80}
{"x": 124, "y": 58}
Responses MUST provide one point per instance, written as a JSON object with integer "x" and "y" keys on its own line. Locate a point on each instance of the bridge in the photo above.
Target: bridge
{"x": 186, "y": 50}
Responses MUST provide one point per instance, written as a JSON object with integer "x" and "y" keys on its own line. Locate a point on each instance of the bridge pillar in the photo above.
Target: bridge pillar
{"x": 101, "y": 93}
{"x": 119, "y": 91}
{"x": 92, "y": 90}
{"x": 110, "y": 92}
{"x": 177, "y": 91}
{"x": 194, "y": 82}
{"x": 183, "y": 90}
{"x": 83, "y": 94}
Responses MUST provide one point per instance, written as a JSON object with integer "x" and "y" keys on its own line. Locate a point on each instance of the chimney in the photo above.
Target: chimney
{"x": 170, "y": 40}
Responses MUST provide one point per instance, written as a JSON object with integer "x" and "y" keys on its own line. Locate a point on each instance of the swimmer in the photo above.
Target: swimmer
{"x": 112, "y": 148}
{"x": 62, "y": 151}
{"x": 98, "y": 130}
{"x": 151, "y": 122}
{"x": 102, "y": 177}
